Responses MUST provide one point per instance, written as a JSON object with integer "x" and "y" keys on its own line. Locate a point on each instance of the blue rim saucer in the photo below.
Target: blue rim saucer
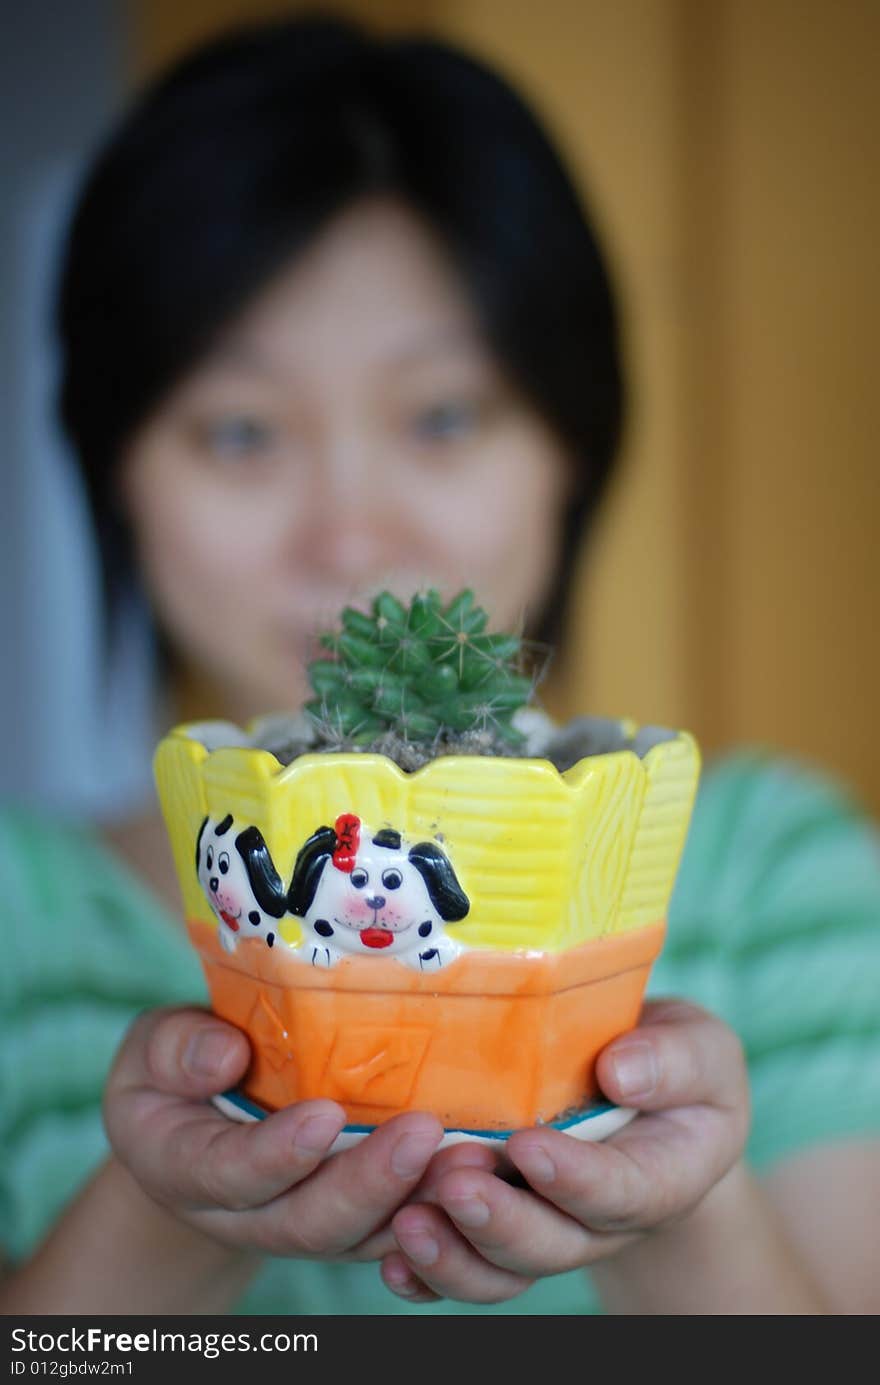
{"x": 595, "y": 1122}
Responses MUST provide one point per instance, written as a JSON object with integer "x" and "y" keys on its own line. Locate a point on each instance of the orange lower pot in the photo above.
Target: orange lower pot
{"x": 496, "y": 1041}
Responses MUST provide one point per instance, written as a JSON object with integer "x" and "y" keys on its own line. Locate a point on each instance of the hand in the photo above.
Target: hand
{"x": 481, "y": 1239}
{"x": 265, "y": 1187}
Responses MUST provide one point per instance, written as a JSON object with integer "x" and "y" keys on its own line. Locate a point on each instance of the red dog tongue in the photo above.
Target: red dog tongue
{"x": 229, "y": 920}
{"x": 377, "y": 937}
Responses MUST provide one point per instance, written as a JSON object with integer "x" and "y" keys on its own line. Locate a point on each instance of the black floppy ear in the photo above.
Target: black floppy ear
{"x": 264, "y": 878}
{"x": 310, "y": 862}
{"x": 444, "y": 891}
{"x": 199, "y": 844}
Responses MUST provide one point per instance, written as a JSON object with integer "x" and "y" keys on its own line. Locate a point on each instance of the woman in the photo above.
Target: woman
{"x": 332, "y": 319}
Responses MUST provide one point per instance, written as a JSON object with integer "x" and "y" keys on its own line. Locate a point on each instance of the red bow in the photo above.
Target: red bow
{"x": 348, "y": 836}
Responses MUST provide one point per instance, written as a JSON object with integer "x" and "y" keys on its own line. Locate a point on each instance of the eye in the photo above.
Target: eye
{"x": 446, "y": 422}
{"x": 359, "y": 878}
{"x": 392, "y": 879}
{"x": 238, "y": 436}
{"x": 209, "y": 859}
{"x": 223, "y": 862}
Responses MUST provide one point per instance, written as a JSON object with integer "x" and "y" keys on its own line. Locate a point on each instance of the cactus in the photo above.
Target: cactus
{"x": 424, "y": 672}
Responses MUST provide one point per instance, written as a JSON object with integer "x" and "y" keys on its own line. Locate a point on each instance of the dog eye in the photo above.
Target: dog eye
{"x": 223, "y": 862}
{"x": 392, "y": 879}
{"x": 359, "y": 878}
{"x": 209, "y": 860}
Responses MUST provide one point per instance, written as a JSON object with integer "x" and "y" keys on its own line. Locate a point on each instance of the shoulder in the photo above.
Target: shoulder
{"x": 75, "y": 919}
{"x": 38, "y": 851}
{"x": 61, "y": 889}
{"x": 775, "y": 837}
{"x": 775, "y": 925}
{"x": 84, "y": 949}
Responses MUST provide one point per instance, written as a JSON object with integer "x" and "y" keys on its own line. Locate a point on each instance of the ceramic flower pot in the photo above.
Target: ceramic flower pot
{"x": 463, "y": 939}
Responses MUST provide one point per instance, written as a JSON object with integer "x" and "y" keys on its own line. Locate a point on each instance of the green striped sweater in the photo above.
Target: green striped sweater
{"x": 774, "y": 925}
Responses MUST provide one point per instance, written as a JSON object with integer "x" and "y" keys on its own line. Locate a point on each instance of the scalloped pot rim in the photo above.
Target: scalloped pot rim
{"x": 550, "y": 854}
{"x": 572, "y": 777}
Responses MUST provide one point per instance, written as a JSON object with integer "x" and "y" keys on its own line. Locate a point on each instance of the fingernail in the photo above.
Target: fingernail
{"x": 419, "y": 1245}
{"x": 411, "y": 1153}
{"x": 205, "y": 1053}
{"x": 468, "y": 1211}
{"x": 315, "y": 1134}
{"x": 399, "y": 1278}
{"x": 635, "y": 1069}
{"x": 535, "y": 1163}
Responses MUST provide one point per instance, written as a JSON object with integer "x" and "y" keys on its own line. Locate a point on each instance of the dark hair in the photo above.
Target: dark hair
{"x": 241, "y": 155}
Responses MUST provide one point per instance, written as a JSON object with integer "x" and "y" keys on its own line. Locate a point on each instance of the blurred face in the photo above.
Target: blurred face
{"x": 350, "y": 432}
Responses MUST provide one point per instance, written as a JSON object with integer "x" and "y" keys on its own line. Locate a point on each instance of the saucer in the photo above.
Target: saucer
{"x": 594, "y": 1122}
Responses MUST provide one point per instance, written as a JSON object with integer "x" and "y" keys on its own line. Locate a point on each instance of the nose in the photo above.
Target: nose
{"x": 350, "y": 529}
{"x": 213, "y": 882}
{"x": 377, "y": 901}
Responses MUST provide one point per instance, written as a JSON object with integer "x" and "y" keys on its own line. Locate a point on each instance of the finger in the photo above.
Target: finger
{"x": 680, "y": 1055}
{"x": 400, "y": 1279}
{"x": 514, "y": 1229}
{"x": 375, "y": 1246}
{"x": 180, "y": 1052}
{"x": 353, "y": 1194}
{"x": 446, "y": 1264}
{"x": 188, "y": 1154}
{"x": 465, "y": 1155}
{"x": 653, "y": 1172}
{"x": 192, "y": 1157}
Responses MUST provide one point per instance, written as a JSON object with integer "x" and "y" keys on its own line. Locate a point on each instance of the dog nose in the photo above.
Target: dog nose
{"x": 377, "y": 901}
{"x": 213, "y": 882}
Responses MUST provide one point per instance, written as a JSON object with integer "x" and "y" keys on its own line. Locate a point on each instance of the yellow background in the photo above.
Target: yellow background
{"x": 728, "y": 147}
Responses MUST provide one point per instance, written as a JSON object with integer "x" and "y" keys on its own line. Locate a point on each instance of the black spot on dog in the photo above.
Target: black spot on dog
{"x": 270, "y": 939}
{"x": 323, "y": 929}
{"x": 254, "y": 917}
{"x": 425, "y": 928}
{"x": 426, "y": 956}
{"x": 223, "y": 826}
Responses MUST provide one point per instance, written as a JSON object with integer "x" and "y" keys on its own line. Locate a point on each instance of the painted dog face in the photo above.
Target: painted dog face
{"x": 242, "y": 886}
{"x": 375, "y": 896}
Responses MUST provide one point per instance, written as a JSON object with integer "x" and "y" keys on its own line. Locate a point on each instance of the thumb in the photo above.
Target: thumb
{"x": 180, "y": 1052}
